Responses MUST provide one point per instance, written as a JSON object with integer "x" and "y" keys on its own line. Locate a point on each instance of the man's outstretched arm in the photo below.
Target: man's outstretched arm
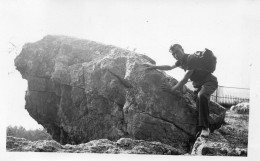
{"x": 162, "y": 67}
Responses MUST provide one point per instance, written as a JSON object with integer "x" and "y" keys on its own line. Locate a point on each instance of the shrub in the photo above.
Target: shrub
{"x": 32, "y": 135}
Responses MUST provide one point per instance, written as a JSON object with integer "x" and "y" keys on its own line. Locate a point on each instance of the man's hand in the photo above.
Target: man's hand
{"x": 179, "y": 85}
{"x": 167, "y": 88}
{"x": 149, "y": 67}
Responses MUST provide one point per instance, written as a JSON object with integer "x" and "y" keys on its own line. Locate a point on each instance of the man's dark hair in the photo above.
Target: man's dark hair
{"x": 175, "y": 46}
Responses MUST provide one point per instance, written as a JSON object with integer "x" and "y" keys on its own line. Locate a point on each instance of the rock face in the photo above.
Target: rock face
{"x": 80, "y": 90}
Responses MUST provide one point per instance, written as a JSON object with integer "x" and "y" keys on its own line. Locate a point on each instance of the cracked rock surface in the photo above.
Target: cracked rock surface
{"x": 81, "y": 90}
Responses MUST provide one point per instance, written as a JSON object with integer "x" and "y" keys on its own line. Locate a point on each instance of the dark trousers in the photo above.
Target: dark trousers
{"x": 202, "y": 102}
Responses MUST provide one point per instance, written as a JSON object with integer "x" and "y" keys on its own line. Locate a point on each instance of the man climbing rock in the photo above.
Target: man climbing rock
{"x": 199, "y": 68}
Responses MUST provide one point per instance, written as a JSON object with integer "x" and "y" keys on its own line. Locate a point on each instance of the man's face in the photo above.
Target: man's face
{"x": 177, "y": 53}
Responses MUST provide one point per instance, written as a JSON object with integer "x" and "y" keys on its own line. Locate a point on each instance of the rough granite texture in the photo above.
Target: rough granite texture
{"x": 81, "y": 90}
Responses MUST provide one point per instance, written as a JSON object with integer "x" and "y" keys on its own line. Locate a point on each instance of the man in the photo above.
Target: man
{"x": 204, "y": 83}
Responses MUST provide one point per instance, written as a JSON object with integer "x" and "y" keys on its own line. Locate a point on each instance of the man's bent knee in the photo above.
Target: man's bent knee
{"x": 202, "y": 95}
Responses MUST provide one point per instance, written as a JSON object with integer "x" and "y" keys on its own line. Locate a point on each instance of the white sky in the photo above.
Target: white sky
{"x": 228, "y": 28}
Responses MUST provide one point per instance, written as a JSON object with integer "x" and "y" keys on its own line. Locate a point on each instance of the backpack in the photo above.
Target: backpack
{"x": 202, "y": 60}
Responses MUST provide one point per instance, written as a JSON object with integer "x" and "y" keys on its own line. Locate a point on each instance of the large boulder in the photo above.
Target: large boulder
{"x": 81, "y": 90}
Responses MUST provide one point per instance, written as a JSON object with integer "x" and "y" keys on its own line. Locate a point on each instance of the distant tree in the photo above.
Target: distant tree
{"x": 32, "y": 135}
{"x": 10, "y": 131}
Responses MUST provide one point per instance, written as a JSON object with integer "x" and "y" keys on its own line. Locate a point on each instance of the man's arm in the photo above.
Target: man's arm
{"x": 184, "y": 80}
{"x": 162, "y": 67}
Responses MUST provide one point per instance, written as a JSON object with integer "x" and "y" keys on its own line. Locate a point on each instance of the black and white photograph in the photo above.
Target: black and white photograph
{"x": 129, "y": 79}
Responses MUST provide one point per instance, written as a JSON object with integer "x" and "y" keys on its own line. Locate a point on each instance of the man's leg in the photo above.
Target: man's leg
{"x": 203, "y": 104}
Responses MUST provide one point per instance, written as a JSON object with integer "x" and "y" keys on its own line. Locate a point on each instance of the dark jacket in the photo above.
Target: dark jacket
{"x": 198, "y": 77}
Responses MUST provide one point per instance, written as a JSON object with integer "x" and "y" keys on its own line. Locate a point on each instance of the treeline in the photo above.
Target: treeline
{"x": 32, "y": 135}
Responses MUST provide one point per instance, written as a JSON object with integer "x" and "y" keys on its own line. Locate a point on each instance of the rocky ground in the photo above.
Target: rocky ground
{"x": 123, "y": 145}
{"x": 230, "y": 140}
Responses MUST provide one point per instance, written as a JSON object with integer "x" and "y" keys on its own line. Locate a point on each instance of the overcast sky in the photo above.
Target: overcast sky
{"x": 226, "y": 27}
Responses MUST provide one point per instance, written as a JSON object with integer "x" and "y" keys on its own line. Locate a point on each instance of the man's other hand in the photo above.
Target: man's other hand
{"x": 167, "y": 88}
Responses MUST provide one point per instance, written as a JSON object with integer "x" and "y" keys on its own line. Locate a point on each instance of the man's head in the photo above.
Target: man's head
{"x": 177, "y": 51}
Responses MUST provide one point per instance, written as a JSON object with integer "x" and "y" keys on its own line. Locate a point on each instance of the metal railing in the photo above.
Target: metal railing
{"x": 230, "y": 95}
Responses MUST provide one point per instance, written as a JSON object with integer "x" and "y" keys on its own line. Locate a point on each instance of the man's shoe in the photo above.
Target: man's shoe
{"x": 205, "y": 133}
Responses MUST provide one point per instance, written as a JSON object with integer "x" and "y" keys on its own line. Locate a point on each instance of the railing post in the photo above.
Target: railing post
{"x": 217, "y": 94}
